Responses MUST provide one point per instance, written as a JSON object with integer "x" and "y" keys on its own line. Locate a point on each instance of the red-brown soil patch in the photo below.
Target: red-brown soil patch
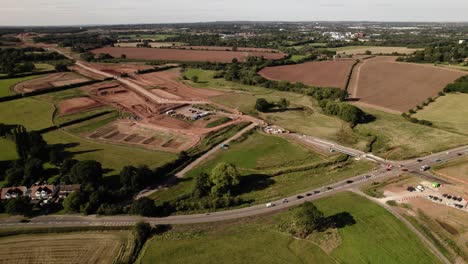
{"x": 89, "y": 74}
{"x": 184, "y": 55}
{"x": 218, "y": 48}
{"x": 76, "y": 105}
{"x": 49, "y": 81}
{"x": 400, "y": 86}
{"x": 119, "y": 68}
{"x": 170, "y": 88}
{"x": 316, "y": 73}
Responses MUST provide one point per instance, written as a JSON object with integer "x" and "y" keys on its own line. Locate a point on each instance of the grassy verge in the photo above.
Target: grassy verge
{"x": 218, "y": 122}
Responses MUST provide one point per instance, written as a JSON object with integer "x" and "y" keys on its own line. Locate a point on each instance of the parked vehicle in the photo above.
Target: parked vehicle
{"x": 284, "y": 200}
{"x": 269, "y": 205}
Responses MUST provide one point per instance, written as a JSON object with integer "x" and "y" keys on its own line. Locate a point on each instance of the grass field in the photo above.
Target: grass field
{"x": 156, "y": 37}
{"x": 448, "y": 112}
{"x": 83, "y": 247}
{"x": 260, "y": 156}
{"x": 8, "y": 150}
{"x": 6, "y": 84}
{"x": 401, "y": 139}
{"x": 376, "y": 237}
{"x": 31, "y": 113}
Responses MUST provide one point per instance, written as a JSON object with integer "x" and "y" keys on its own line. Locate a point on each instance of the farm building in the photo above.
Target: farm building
{"x": 13, "y": 192}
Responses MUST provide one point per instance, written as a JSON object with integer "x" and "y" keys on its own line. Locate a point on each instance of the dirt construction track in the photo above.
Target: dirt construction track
{"x": 398, "y": 86}
{"x": 49, "y": 81}
{"x": 184, "y": 55}
{"x": 316, "y": 73}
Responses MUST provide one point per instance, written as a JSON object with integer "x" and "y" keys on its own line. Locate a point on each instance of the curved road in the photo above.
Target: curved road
{"x": 410, "y": 165}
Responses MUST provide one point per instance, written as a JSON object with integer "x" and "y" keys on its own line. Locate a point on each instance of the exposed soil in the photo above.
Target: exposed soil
{"x": 119, "y": 68}
{"x": 49, "y": 81}
{"x": 76, "y": 105}
{"x": 170, "y": 88}
{"x": 184, "y": 55}
{"x": 217, "y": 48}
{"x": 400, "y": 86}
{"x": 316, "y": 73}
{"x": 89, "y": 74}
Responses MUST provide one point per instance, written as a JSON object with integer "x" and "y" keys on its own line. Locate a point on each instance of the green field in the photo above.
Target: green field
{"x": 260, "y": 156}
{"x": 401, "y": 139}
{"x": 448, "y": 112}
{"x": 32, "y": 114}
{"x": 376, "y": 237}
{"x": 7, "y": 84}
{"x": 8, "y": 150}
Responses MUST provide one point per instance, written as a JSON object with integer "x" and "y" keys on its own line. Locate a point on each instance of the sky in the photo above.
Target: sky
{"x": 88, "y": 12}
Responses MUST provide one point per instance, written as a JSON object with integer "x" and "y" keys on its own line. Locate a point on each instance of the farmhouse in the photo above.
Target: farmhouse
{"x": 43, "y": 192}
{"x": 13, "y": 192}
{"x": 65, "y": 190}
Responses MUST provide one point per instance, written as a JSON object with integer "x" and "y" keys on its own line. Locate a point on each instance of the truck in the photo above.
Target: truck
{"x": 424, "y": 168}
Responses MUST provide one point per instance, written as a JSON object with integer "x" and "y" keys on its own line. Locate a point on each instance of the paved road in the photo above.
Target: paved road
{"x": 381, "y": 173}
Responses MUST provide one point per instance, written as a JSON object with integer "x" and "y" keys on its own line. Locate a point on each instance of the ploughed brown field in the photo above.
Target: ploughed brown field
{"x": 398, "y": 86}
{"x": 223, "y": 48}
{"x": 316, "y": 73}
{"x": 184, "y": 55}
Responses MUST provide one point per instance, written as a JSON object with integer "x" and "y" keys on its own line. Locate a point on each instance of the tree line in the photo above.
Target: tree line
{"x": 443, "y": 52}
{"x": 14, "y": 61}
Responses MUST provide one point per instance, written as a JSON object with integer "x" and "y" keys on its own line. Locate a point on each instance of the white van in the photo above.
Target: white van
{"x": 269, "y": 205}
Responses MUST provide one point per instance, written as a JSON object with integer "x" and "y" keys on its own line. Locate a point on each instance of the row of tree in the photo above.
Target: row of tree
{"x": 14, "y": 61}
{"x": 460, "y": 85}
{"x": 443, "y": 52}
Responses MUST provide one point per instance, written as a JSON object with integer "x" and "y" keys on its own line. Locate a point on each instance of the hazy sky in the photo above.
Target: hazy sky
{"x": 74, "y": 12}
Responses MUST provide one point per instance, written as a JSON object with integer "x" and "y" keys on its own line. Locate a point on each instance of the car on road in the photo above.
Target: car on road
{"x": 460, "y": 199}
{"x": 284, "y": 201}
{"x": 444, "y": 195}
{"x": 419, "y": 160}
{"x": 459, "y": 154}
{"x": 349, "y": 181}
{"x": 316, "y": 192}
{"x": 410, "y": 189}
{"x": 367, "y": 176}
{"x": 448, "y": 196}
{"x": 329, "y": 188}
{"x": 308, "y": 194}
{"x": 269, "y": 205}
{"x": 404, "y": 169}
{"x": 299, "y": 197}
{"x": 437, "y": 160}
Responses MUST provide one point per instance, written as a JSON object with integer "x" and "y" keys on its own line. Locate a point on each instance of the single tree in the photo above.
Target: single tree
{"x": 224, "y": 178}
{"x": 307, "y": 219}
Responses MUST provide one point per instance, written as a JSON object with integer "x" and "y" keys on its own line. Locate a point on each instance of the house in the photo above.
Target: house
{"x": 13, "y": 192}
{"x": 65, "y": 190}
{"x": 43, "y": 192}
